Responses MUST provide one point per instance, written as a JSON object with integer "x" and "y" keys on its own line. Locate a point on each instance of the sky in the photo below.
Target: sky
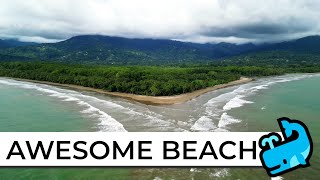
{"x": 202, "y": 21}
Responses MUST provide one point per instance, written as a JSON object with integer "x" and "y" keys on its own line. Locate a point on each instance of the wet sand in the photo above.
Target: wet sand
{"x": 156, "y": 100}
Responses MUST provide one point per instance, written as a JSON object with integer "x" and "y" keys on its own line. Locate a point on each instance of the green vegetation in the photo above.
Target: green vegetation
{"x": 144, "y": 80}
{"x": 95, "y": 49}
{"x": 185, "y": 67}
{"x": 106, "y": 50}
{"x": 274, "y": 58}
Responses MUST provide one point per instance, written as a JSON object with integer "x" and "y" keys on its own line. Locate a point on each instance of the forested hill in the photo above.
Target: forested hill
{"x": 13, "y": 43}
{"x": 117, "y": 50}
{"x": 309, "y": 45}
{"x": 304, "y": 51}
{"x": 96, "y": 49}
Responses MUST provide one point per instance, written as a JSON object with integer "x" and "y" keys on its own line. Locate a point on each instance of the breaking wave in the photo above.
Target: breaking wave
{"x": 134, "y": 115}
{"x": 216, "y": 108}
{"x": 203, "y": 124}
{"x": 107, "y": 123}
{"x": 236, "y": 102}
{"x": 225, "y": 120}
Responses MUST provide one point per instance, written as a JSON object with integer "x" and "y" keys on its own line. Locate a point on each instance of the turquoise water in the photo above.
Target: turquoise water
{"x": 297, "y": 99}
{"x": 25, "y": 110}
{"x": 254, "y": 106}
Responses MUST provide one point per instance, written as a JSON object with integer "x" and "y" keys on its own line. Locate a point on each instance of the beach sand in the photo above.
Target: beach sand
{"x": 155, "y": 100}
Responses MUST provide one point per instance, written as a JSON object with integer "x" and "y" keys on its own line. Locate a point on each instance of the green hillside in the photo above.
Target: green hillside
{"x": 95, "y": 49}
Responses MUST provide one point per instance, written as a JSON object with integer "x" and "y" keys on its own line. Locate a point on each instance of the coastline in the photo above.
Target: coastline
{"x": 154, "y": 100}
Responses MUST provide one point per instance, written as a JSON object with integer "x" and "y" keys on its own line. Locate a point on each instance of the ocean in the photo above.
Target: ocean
{"x": 254, "y": 106}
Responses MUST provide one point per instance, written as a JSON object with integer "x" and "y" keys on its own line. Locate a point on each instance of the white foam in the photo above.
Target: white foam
{"x": 154, "y": 119}
{"x": 195, "y": 170}
{"x": 90, "y": 110}
{"x": 107, "y": 103}
{"x": 223, "y": 97}
{"x": 227, "y": 120}
{"x": 203, "y": 124}
{"x": 260, "y": 87}
{"x": 107, "y": 123}
{"x": 277, "y": 178}
{"x": 220, "y": 173}
{"x": 214, "y": 106}
{"x": 70, "y": 99}
{"x": 217, "y": 107}
{"x": 236, "y": 102}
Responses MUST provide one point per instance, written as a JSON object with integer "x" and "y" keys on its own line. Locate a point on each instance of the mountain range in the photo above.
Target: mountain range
{"x": 97, "y": 49}
{"x": 9, "y": 43}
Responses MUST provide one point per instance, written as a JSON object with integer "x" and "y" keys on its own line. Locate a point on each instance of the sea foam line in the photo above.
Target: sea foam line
{"x": 203, "y": 124}
{"x": 107, "y": 123}
{"x": 83, "y": 100}
{"x": 226, "y": 120}
{"x": 154, "y": 118}
{"x": 217, "y": 107}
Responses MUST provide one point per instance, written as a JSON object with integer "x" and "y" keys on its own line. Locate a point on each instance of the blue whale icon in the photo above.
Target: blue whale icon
{"x": 279, "y": 157}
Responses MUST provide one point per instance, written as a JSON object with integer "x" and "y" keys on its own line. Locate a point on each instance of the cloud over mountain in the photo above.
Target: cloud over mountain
{"x": 235, "y": 21}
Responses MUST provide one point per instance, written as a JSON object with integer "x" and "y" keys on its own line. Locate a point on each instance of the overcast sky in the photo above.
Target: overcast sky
{"x": 237, "y": 21}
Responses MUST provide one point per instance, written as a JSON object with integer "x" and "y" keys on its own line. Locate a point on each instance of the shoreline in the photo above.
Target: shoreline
{"x": 153, "y": 100}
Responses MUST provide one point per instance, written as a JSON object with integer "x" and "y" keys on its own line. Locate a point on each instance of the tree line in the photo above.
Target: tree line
{"x": 142, "y": 80}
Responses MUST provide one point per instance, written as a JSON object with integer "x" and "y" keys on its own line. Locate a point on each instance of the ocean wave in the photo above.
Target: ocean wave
{"x": 226, "y": 120}
{"x": 93, "y": 108}
{"x": 217, "y": 107}
{"x": 277, "y": 178}
{"x": 104, "y": 102}
{"x": 236, "y": 102}
{"x": 248, "y": 89}
{"x": 153, "y": 119}
{"x": 222, "y": 97}
{"x": 203, "y": 124}
{"x": 195, "y": 170}
{"x": 219, "y": 173}
{"x": 215, "y": 116}
{"x": 107, "y": 123}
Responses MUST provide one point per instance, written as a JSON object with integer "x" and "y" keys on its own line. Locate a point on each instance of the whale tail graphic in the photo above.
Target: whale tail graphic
{"x": 285, "y": 124}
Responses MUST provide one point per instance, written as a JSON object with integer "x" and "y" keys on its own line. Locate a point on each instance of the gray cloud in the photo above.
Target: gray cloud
{"x": 235, "y": 21}
{"x": 257, "y": 30}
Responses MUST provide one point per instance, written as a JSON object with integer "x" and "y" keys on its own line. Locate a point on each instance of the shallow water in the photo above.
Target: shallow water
{"x": 250, "y": 107}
